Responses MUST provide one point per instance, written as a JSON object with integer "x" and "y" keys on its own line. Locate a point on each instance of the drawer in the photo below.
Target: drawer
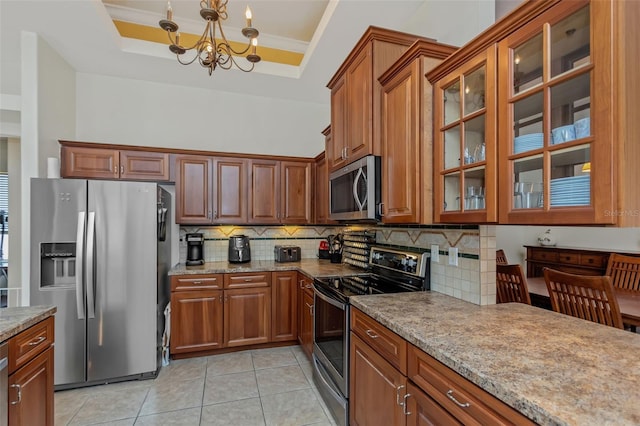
{"x": 594, "y": 260}
{"x": 470, "y": 404}
{"x": 196, "y": 282}
{"x": 26, "y": 345}
{"x": 546, "y": 255}
{"x": 385, "y": 342}
{"x": 257, "y": 279}
{"x": 569, "y": 258}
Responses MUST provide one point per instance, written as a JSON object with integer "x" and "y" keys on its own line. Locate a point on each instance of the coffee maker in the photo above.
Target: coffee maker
{"x": 195, "y": 249}
{"x": 239, "y": 249}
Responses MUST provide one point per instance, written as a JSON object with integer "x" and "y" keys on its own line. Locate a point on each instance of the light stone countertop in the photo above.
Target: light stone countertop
{"x": 15, "y": 320}
{"x": 553, "y": 368}
{"x": 311, "y": 267}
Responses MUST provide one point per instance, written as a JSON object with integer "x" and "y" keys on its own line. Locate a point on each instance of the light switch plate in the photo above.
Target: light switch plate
{"x": 435, "y": 253}
{"x": 453, "y": 256}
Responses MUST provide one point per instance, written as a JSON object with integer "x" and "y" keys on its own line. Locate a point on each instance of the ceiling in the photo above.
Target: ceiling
{"x": 83, "y": 32}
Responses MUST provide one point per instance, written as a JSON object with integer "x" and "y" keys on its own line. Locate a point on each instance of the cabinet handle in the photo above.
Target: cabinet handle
{"x": 121, "y": 170}
{"x": 215, "y": 214}
{"x": 371, "y": 334}
{"x": 197, "y": 282}
{"x": 398, "y": 401}
{"x": 37, "y": 341}
{"x": 209, "y": 215}
{"x": 309, "y": 285}
{"x": 453, "y": 398}
{"x": 301, "y": 283}
{"x": 247, "y": 280}
{"x": 115, "y": 170}
{"x": 310, "y": 308}
{"x": 404, "y": 405}
{"x": 19, "y": 394}
{"x": 380, "y": 210}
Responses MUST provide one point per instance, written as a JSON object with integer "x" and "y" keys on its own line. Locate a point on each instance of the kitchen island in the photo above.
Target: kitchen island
{"x": 15, "y": 320}
{"x": 552, "y": 368}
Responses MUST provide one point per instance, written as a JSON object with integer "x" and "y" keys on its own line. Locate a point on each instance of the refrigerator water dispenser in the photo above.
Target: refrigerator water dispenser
{"x": 57, "y": 264}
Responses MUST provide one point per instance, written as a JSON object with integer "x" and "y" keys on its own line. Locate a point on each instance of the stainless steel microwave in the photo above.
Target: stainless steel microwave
{"x": 354, "y": 190}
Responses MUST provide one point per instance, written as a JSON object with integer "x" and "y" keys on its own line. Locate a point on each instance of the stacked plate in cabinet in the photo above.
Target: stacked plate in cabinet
{"x": 571, "y": 191}
{"x": 527, "y": 142}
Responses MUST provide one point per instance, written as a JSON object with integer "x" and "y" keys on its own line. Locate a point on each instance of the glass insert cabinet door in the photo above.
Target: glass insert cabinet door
{"x": 547, "y": 133}
{"x": 464, "y": 149}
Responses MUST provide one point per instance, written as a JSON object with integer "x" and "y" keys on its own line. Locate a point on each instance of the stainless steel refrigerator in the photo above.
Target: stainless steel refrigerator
{"x": 100, "y": 253}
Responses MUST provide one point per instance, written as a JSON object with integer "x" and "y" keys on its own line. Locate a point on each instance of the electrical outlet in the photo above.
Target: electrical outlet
{"x": 453, "y": 256}
{"x": 435, "y": 253}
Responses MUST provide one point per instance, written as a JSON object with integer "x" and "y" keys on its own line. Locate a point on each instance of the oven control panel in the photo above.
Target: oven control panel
{"x": 401, "y": 261}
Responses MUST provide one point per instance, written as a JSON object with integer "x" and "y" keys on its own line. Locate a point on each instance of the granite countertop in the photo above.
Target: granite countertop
{"x": 15, "y": 320}
{"x": 553, "y": 368}
{"x": 311, "y": 267}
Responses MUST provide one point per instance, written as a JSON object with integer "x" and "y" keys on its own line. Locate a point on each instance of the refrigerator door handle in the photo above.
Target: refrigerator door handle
{"x": 79, "y": 263}
{"x": 91, "y": 232}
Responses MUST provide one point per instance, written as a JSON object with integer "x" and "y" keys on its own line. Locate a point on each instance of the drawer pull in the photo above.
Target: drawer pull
{"x": 404, "y": 405}
{"x": 398, "y": 389}
{"x": 310, "y": 308}
{"x": 453, "y": 398}
{"x": 371, "y": 334}
{"x": 37, "y": 341}
{"x": 197, "y": 282}
{"x": 19, "y": 394}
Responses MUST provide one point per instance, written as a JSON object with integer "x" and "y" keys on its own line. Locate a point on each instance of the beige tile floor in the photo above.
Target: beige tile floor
{"x": 254, "y": 387}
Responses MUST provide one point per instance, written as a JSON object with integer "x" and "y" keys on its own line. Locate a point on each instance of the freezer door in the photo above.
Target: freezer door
{"x": 121, "y": 290}
{"x": 57, "y": 220}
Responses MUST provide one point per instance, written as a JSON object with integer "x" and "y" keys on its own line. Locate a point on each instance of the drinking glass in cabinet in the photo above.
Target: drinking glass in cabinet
{"x": 527, "y": 123}
{"x": 527, "y": 64}
{"x": 570, "y": 42}
{"x": 527, "y": 182}
{"x": 474, "y": 189}
{"x": 452, "y": 147}
{"x": 451, "y": 105}
{"x": 474, "y": 91}
{"x": 474, "y": 131}
{"x": 452, "y": 192}
{"x": 570, "y": 183}
{"x": 570, "y": 105}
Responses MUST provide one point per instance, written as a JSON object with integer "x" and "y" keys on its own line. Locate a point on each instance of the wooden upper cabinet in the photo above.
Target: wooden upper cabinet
{"x": 142, "y": 165}
{"x": 111, "y": 163}
{"x": 407, "y": 134}
{"x": 356, "y": 94}
{"x": 194, "y": 182}
{"x": 280, "y": 191}
{"x": 296, "y": 190}
{"x": 264, "y": 194}
{"x": 97, "y": 163}
{"x": 230, "y": 183}
{"x": 566, "y": 115}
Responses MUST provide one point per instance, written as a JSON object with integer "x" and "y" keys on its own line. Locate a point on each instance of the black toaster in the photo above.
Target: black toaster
{"x": 286, "y": 253}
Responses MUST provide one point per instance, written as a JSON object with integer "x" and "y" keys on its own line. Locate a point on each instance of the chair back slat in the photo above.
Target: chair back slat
{"x": 501, "y": 258}
{"x": 624, "y": 272}
{"x": 587, "y": 297}
{"x": 511, "y": 285}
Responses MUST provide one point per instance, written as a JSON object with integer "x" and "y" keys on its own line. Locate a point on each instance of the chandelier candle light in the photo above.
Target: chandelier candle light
{"x": 212, "y": 52}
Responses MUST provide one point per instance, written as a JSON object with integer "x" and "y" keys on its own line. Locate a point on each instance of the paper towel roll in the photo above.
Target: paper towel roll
{"x": 53, "y": 168}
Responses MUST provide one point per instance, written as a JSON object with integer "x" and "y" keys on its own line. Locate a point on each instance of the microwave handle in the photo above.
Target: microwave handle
{"x": 359, "y": 175}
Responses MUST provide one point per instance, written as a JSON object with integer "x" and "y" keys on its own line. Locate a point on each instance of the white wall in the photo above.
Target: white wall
{"x": 131, "y": 112}
{"x": 452, "y": 22}
{"x": 48, "y": 113}
{"x": 512, "y": 238}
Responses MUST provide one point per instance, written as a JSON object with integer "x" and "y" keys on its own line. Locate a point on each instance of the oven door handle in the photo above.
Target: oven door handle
{"x": 330, "y": 300}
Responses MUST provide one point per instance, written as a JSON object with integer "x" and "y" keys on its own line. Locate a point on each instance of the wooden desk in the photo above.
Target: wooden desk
{"x": 629, "y": 302}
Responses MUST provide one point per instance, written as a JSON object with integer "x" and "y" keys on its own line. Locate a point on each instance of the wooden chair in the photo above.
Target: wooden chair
{"x": 624, "y": 272}
{"x": 587, "y": 297}
{"x": 511, "y": 284}
{"x": 501, "y": 258}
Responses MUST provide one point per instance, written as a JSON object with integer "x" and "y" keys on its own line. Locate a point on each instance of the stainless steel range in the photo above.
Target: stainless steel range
{"x": 388, "y": 271}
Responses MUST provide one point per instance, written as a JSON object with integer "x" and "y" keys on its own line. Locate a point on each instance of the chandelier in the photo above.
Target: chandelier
{"x": 209, "y": 51}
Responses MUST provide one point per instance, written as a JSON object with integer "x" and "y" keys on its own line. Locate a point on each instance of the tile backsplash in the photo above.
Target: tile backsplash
{"x": 472, "y": 280}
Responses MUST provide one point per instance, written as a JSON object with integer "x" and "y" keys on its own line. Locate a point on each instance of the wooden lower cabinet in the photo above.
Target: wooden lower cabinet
{"x": 305, "y": 314}
{"x": 375, "y": 388}
{"x": 31, "y": 392}
{"x": 420, "y": 391}
{"x": 196, "y": 321}
{"x": 284, "y": 306}
{"x": 31, "y": 372}
{"x": 247, "y": 316}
